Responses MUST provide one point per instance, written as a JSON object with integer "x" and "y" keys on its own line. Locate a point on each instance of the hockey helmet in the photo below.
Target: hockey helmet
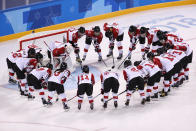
{"x": 143, "y": 30}
{"x": 133, "y": 29}
{"x": 81, "y": 30}
{"x": 85, "y": 69}
{"x": 50, "y": 66}
{"x": 39, "y": 56}
{"x": 63, "y": 66}
{"x": 160, "y": 35}
{"x": 127, "y": 63}
{"x": 150, "y": 55}
{"x": 108, "y": 33}
{"x": 31, "y": 53}
{"x": 96, "y": 29}
{"x": 136, "y": 63}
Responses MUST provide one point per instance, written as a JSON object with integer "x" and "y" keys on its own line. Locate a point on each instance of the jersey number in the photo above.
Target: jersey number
{"x": 17, "y": 55}
{"x": 84, "y": 77}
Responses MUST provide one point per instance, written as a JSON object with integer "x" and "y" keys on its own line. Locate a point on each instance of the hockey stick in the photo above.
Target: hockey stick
{"x": 117, "y": 95}
{"x": 113, "y": 60}
{"x": 124, "y": 60}
{"x": 126, "y": 57}
{"x": 72, "y": 98}
{"x": 96, "y": 96}
{"x": 100, "y": 56}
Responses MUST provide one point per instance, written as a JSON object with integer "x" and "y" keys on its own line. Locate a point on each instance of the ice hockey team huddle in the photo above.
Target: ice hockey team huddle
{"x": 164, "y": 54}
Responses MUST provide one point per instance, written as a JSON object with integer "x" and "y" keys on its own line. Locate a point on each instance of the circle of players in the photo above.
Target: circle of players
{"x": 168, "y": 56}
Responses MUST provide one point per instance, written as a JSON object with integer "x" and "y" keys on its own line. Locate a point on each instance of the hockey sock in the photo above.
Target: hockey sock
{"x": 11, "y": 73}
{"x": 129, "y": 93}
{"x": 80, "y": 98}
{"x": 105, "y": 96}
{"x": 148, "y": 91}
{"x": 115, "y": 97}
{"x": 142, "y": 94}
{"x": 90, "y": 98}
{"x": 120, "y": 47}
{"x": 63, "y": 98}
{"x": 166, "y": 85}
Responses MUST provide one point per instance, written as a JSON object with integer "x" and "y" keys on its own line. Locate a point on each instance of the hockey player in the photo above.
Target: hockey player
{"x": 37, "y": 78}
{"x": 55, "y": 83}
{"x": 74, "y": 35}
{"x": 96, "y": 36}
{"x": 181, "y": 56}
{"x": 153, "y": 73}
{"x": 109, "y": 81}
{"x": 86, "y": 81}
{"x": 167, "y": 66}
{"x": 23, "y": 66}
{"x": 133, "y": 34}
{"x": 59, "y": 52}
{"x": 134, "y": 80}
{"x": 11, "y": 60}
{"x": 153, "y": 36}
{"x": 113, "y": 32}
{"x": 182, "y": 46}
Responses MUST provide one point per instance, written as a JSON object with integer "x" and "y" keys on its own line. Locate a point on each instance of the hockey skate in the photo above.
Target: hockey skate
{"x": 155, "y": 95}
{"x": 30, "y": 97}
{"x": 78, "y": 60}
{"x": 91, "y": 106}
{"x": 105, "y": 105}
{"x": 120, "y": 56}
{"x": 49, "y": 102}
{"x": 127, "y": 102}
{"x": 65, "y": 106}
{"x": 148, "y": 99}
{"x": 44, "y": 101}
{"x": 79, "y": 106}
{"x": 129, "y": 57}
{"x": 163, "y": 93}
{"x": 186, "y": 77}
{"x": 109, "y": 54}
{"x": 23, "y": 93}
{"x": 84, "y": 57}
{"x": 143, "y": 57}
{"x": 115, "y": 104}
{"x": 12, "y": 81}
{"x": 143, "y": 101}
{"x": 99, "y": 59}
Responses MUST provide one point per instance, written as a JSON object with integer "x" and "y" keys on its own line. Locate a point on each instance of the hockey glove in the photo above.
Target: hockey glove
{"x": 72, "y": 43}
{"x": 77, "y": 50}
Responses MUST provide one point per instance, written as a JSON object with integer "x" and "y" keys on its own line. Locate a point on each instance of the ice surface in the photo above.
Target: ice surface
{"x": 177, "y": 112}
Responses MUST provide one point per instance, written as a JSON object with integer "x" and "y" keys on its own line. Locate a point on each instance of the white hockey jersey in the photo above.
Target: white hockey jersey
{"x": 41, "y": 73}
{"x": 108, "y": 74}
{"x": 188, "y": 49}
{"x": 26, "y": 63}
{"x": 131, "y": 72}
{"x": 59, "y": 77}
{"x": 86, "y": 78}
{"x": 148, "y": 68}
{"x": 164, "y": 63}
{"x": 15, "y": 55}
{"x": 179, "y": 54}
{"x": 173, "y": 58}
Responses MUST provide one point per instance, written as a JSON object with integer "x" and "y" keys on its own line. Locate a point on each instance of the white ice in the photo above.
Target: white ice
{"x": 177, "y": 112}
